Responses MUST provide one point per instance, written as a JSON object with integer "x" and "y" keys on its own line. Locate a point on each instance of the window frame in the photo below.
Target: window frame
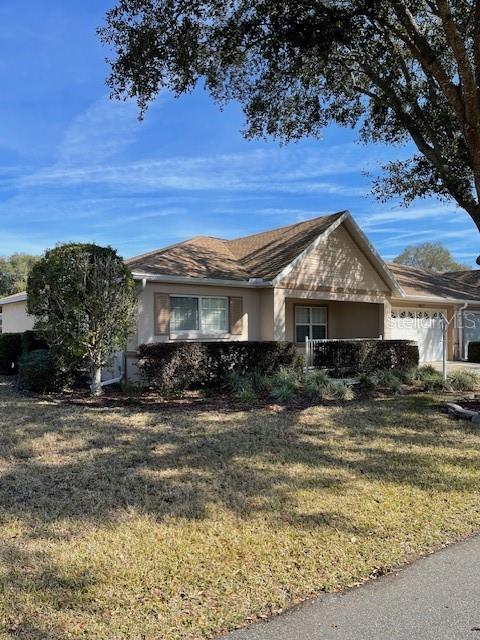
{"x": 310, "y": 324}
{"x": 186, "y": 334}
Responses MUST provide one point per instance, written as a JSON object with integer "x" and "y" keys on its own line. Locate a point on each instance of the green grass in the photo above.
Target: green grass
{"x": 123, "y": 523}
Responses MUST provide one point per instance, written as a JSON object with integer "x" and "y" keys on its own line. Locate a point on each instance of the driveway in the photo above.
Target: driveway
{"x": 454, "y": 365}
{"x": 437, "y": 598}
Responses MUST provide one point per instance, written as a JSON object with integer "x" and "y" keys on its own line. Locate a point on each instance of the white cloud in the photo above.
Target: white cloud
{"x": 402, "y": 214}
{"x": 254, "y": 171}
{"x": 102, "y": 131}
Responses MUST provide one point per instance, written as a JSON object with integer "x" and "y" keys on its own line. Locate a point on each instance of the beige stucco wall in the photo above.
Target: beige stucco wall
{"x": 252, "y": 301}
{"x": 344, "y": 319}
{"x": 338, "y": 262}
{"x": 15, "y": 318}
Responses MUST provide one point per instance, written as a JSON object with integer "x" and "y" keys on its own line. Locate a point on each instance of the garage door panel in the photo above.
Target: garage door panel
{"x": 423, "y": 326}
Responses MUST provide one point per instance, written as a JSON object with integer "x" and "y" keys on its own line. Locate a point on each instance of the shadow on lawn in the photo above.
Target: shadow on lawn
{"x": 89, "y": 465}
{"x": 178, "y": 465}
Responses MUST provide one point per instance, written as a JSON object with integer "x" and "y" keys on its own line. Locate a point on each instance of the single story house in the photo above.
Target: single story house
{"x": 320, "y": 279}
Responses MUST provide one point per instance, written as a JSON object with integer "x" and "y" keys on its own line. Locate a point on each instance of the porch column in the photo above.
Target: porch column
{"x": 279, "y": 328}
{"x": 385, "y": 320}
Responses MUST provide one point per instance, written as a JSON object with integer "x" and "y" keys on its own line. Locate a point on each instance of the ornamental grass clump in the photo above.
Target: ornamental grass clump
{"x": 464, "y": 380}
{"x": 317, "y": 385}
{"x": 286, "y": 384}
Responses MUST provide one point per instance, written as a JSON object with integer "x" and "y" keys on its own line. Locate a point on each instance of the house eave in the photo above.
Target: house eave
{"x": 16, "y": 297}
{"x": 434, "y": 300}
{"x": 253, "y": 283}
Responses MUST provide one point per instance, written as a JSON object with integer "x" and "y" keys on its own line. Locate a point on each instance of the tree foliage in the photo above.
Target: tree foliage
{"x": 432, "y": 256}
{"x": 83, "y": 298}
{"x": 14, "y": 272}
{"x": 398, "y": 70}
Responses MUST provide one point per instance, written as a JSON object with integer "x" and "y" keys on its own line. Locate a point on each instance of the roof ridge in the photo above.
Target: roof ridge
{"x": 159, "y": 250}
{"x": 289, "y": 226}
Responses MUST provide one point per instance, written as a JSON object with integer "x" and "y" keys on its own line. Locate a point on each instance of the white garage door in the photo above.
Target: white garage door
{"x": 424, "y": 326}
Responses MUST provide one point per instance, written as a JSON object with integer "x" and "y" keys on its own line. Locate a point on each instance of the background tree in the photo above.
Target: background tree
{"x": 83, "y": 299}
{"x": 432, "y": 256}
{"x": 14, "y": 272}
{"x": 400, "y": 70}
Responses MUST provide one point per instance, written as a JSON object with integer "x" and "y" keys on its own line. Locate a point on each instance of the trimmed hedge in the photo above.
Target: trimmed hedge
{"x": 474, "y": 352}
{"x": 13, "y": 345}
{"x": 36, "y": 371}
{"x": 10, "y": 351}
{"x": 351, "y": 357}
{"x": 31, "y": 341}
{"x": 191, "y": 365}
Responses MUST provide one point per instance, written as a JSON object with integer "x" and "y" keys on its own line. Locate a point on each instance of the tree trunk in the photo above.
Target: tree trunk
{"x": 96, "y": 385}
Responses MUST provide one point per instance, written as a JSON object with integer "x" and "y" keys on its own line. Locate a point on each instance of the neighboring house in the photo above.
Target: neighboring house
{"x": 14, "y": 318}
{"x": 320, "y": 278}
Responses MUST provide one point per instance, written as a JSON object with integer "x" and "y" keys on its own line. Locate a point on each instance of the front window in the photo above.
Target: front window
{"x": 310, "y": 322}
{"x": 204, "y": 314}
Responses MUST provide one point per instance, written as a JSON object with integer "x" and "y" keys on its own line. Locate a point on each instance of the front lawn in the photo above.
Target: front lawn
{"x": 136, "y": 523}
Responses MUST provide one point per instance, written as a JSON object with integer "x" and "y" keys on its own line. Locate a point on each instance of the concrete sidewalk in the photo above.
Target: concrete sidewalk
{"x": 436, "y": 598}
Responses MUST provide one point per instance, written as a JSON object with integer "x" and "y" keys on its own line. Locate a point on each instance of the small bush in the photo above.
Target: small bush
{"x": 473, "y": 352}
{"x": 390, "y": 381}
{"x": 433, "y": 381}
{"x": 131, "y": 389}
{"x": 285, "y": 384}
{"x": 36, "y": 371}
{"x": 317, "y": 385}
{"x": 464, "y": 380}
{"x": 348, "y": 357}
{"x": 193, "y": 365}
{"x": 245, "y": 394}
{"x": 408, "y": 376}
{"x": 426, "y": 371}
{"x": 10, "y": 352}
{"x": 31, "y": 341}
{"x": 369, "y": 381}
{"x": 342, "y": 391}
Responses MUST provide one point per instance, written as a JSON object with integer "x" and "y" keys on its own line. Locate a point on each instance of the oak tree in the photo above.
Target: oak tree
{"x": 398, "y": 70}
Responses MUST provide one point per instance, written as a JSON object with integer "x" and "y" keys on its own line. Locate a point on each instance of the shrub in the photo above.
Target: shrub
{"x": 389, "y": 380}
{"x": 317, "y": 385}
{"x": 10, "y": 351}
{"x": 285, "y": 384}
{"x": 245, "y": 394}
{"x": 474, "y": 352}
{"x": 190, "y": 365}
{"x": 31, "y": 341}
{"x": 464, "y": 380}
{"x": 349, "y": 357}
{"x": 408, "y": 376}
{"x": 36, "y": 371}
{"x": 426, "y": 371}
{"x": 369, "y": 381}
{"x": 342, "y": 391}
{"x": 432, "y": 380}
{"x": 131, "y": 389}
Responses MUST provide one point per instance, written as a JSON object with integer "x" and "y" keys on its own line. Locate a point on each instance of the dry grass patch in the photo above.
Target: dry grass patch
{"x": 134, "y": 523}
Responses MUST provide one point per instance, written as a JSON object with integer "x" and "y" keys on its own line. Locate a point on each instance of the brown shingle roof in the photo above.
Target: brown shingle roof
{"x": 417, "y": 282}
{"x": 262, "y": 255}
{"x": 471, "y": 277}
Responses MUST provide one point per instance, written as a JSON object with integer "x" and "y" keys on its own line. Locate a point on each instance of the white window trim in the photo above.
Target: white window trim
{"x": 199, "y": 333}
{"x": 310, "y": 324}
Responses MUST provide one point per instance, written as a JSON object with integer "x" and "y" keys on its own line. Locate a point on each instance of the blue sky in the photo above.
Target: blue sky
{"x": 76, "y": 166}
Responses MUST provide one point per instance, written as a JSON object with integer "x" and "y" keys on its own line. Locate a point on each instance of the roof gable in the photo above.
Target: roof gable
{"x": 262, "y": 255}
{"x": 265, "y": 255}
